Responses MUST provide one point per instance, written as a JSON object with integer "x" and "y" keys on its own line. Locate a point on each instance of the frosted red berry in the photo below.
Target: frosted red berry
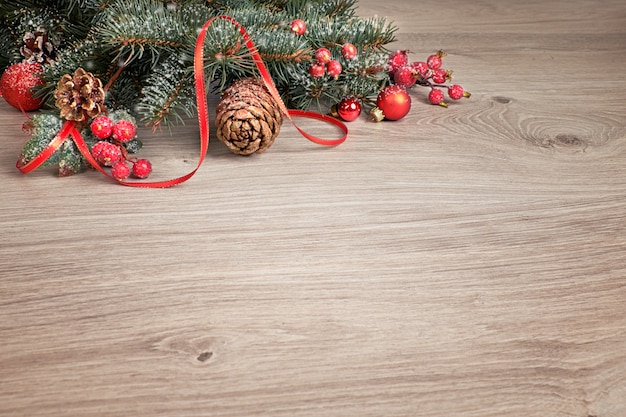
{"x": 317, "y": 70}
{"x": 106, "y": 153}
{"x": 348, "y": 51}
{"x": 394, "y": 101}
{"x": 436, "y": 97}
{"x": 298, "y": 26}
{"x": 434, "y": 61}
{"x": 349, "y": 109}
{"x": 405, "y": 76}
{"x": 124, "y": 130}
{"x": 398, "y": 60}
{"x": 102, "y": 127}
{"x": 16, "y": 85}
{"x": 422, "y": 69}
{"x": 323, "y": 55}
{"x": 334, "y": 68}
{"x": 441, "y": 75}
{"x": 120, "y": 170}
{"x": 456, "y": 92}
{"x": 142, "y": 168}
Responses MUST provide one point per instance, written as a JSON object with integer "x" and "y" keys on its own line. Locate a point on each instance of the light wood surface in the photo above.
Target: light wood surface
{"x": 462, "y": 262}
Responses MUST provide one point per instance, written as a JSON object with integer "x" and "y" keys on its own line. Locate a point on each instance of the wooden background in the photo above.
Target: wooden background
{"x": 468, "y": 261}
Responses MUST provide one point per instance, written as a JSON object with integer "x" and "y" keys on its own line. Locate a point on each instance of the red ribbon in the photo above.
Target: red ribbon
{"x": 68, "y": 130}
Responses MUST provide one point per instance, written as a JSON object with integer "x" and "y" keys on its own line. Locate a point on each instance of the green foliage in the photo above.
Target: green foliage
{"x": 145, "y": 48}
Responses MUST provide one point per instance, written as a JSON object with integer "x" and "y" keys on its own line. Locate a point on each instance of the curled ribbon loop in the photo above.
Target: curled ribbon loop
{"x": 68, "y": 130}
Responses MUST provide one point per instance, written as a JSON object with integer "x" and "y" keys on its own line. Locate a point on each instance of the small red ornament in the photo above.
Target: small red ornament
{"x": 317, "y": 70}
{"x": 349, "y": 109}
{"x": 142, "y": 168}
{"x": 298, "y": 26}
{"x": 394, "y": 101}
{"x": 124, "y": 130}
{"x": 16, "y": 84}
{"x": 348, "y": 51}
{"x": 334, "y": 68}
{"x": 102, "y": 127}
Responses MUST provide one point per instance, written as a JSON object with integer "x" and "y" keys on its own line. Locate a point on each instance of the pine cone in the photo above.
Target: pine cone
{"x": 79, "y": 97}
{"x": 38, "y": 48}
{"x": 248, "y": 119}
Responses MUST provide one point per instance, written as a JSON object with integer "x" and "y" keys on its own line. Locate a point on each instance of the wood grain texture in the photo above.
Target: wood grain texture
{"x": 468, "y": 261}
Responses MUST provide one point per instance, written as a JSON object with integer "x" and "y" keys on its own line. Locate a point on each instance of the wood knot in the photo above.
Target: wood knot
{"x": 502, "y": 99}
{"x": 570, "y": 140}
{"x": 204, "y": 356}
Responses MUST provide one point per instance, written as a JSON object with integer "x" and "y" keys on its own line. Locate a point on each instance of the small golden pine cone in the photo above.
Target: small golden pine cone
{"x": 79, "y": 97}
{"x": 248, "y": 119}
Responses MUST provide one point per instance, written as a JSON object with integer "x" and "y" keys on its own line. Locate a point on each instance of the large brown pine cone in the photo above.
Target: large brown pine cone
{"x": 248, "y": 119}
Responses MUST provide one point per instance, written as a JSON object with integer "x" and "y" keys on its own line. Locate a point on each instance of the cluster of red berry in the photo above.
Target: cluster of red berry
{"x": 427, "y": 73}
{"x": 325, "y": 64}
{"x": 110, "y": 150}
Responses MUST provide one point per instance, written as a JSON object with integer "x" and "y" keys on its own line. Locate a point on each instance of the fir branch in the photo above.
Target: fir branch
{"x": 169, "y": 94}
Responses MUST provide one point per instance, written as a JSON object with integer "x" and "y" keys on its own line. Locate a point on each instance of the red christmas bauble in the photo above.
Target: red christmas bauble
{"x": 349, "y": 109}
{"x": 16, "y": 83}
{"x": 394, "y": 101}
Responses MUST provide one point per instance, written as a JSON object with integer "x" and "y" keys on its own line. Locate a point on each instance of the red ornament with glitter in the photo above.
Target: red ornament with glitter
{"x": 394, "y": 102}
{"x": 16, "y": 85}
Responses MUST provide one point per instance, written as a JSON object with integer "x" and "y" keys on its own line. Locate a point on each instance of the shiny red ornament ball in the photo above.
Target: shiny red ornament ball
{"x": 394, "y": 101}
{"x": 16, "y": 84}
{"x": 349, "y": 109}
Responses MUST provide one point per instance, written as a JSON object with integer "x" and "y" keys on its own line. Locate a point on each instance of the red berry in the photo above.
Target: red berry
{"x": 298, "y": 26}
{"x": 106, "y": 153}
{"x": 436, "y": 97}
{"x": 398, "y": 60}
{"x": 142, "y": 168}
{"x": 102, "y": 127}
{"x": 405, "y": 76}
{"x": 16, "y": 84}
{"x": 441, "y": 75}
{"x": 456, "y": 92}
{"x": 348, "y": 51}
{"x": 323, "y": 55}
{"x": 434, "y": 61}
{"x": 317, "y": 70}
{"x": 349, "y": 109}
{"x": 422, "y": 69}
{"x": 124, "y": 130}
{"x": 334, "y": 68}
{"x": 394, "y": 101}
{"x": 120, "y": 170}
